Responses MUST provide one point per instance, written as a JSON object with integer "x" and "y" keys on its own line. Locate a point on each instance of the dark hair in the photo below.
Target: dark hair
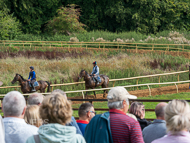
{"x": 83, "y": 108}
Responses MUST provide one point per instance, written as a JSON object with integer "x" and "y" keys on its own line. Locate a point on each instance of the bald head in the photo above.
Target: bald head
{"x": 160, "y": 109}
{"x": 35, "y": 99}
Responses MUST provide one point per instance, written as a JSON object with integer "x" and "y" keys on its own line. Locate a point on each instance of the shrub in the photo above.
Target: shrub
{"x": 10, "y": 28}
{"x": 66, "y": 22}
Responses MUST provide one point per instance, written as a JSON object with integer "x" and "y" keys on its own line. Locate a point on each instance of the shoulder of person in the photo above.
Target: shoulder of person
{"x": 79, "y": 138}
{"x": 30, "y": 140}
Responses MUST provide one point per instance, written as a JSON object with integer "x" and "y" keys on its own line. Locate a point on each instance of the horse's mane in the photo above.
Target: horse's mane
{"x": 85, "y": 72}
{"x": 22, "y": 77}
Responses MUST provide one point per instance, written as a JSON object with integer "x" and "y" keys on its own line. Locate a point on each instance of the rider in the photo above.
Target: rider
{"x": 32, "y": 75}
{"x": 95, "y": 72}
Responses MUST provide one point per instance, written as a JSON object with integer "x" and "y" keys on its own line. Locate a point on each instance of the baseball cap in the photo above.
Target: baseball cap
{"x": 119, "y": 93}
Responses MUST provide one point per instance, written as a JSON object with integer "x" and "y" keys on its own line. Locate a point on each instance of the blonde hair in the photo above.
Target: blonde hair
{"x": 32, "y": 115}
{"x": 55, "y": 108}
{"x": 177, "y": 116}
{"x": 135, "y": 109}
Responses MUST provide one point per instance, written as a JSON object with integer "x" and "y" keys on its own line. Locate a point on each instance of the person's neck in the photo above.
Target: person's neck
{"x": 122, "y": 110}
{"x": 19, "y": 117}
{"x": 84, "y": 119}
{"x": 160, "y": 118}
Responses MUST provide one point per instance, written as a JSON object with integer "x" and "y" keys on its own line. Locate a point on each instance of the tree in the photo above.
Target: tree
{"x": 10, "y": 27}
{"x": 66, "y": 21}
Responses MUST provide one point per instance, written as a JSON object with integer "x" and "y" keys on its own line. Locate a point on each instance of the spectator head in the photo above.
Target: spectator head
{"x": 55, "y": 108}
{"x": 160, "y": 109}
{"x": 177, "y": 116}
{"x": 35, "y": 99}
{"x": 60, "y": 92}
{"x": 118, "y": 99}
{"x": 137, "y": 109}
{"x": 86, "y": 112}
{"x": 32, "y": 115}
{"x": 14, "y": 105}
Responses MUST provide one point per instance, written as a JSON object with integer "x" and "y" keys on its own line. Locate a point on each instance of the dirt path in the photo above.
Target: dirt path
{"x": 144, "y": 93}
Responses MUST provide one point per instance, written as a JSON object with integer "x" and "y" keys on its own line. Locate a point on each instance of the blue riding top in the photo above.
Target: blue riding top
{"x": 95, "y": 70}
{"x": 32, "y": 75}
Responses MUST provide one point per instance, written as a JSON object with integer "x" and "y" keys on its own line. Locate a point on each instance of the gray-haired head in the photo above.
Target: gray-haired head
{"x": 35, "y": 99}
{"x": 160, "y": 109}
{"x": 13, "y": 104}
{"x": 84, "y": 107}
{"x": 59, "y": 91}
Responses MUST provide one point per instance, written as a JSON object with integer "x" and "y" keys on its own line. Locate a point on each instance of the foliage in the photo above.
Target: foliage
{"x": 33, "y": 14}
{"x": 10, "y": 27}
{"x": 66, "y": 21}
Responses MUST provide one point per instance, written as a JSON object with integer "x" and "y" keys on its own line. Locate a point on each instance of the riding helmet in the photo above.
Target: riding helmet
{"x": 94, "y": 62}
{"x": 32, "y": 67}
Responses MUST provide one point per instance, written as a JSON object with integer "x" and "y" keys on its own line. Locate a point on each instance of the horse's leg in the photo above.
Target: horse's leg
{"x": 94, "y": 93}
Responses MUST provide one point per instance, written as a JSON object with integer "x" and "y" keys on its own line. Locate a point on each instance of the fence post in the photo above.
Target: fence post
{"x": 137, "y": 83}
{"x": 51, "y": 88}
{"x": 176, "y": 87}
{"x": 136, "y": 48}
{"x": 152, "y": 47}
{"x": 149, "y": 90}
{"x": 159, "y": 80}
{"x": 168, "y": 47}
{"x": 113, "y": 83}
{"x": 83, "y": 96}
{"x": 99, "y": 45}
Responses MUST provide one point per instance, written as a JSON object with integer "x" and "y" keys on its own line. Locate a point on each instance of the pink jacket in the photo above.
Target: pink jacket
{"x": 181, "y": 137}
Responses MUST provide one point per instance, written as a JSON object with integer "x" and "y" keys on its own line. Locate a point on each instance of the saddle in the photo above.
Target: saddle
{"x": 35, "y": 84}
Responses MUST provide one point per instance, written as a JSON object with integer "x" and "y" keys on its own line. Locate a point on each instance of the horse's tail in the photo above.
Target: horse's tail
{"x": 48, "y": 90}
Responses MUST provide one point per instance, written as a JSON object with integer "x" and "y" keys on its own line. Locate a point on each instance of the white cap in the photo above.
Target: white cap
{"x": 119, "y": 94}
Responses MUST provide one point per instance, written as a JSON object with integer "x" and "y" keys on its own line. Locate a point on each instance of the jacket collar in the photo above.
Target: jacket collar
{"x": 117, "y": 111}
{"x": 159, "y": 121}
{"x": 82, "y": 121}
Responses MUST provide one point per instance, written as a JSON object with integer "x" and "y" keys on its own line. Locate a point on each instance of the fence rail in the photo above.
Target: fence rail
{"x": 112, "y": 80}
{"x": 114, "y": 45}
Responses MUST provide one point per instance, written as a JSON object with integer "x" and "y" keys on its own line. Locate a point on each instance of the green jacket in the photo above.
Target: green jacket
{"x": 57, "y": 133}
{"x": 98, "y": 130}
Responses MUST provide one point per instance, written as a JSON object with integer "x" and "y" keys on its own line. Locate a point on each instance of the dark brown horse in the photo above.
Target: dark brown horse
{"x": 89, "y": 82}
{"x": 25, "y": 88}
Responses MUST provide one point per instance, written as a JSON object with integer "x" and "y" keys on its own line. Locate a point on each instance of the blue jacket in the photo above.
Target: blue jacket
{"x": 154, "y": 131}
{"x": 74, "y": 123}
{"x": 95, "y": 70}
{"x": 32, "y": 75}
{"x": 98, "y": 130}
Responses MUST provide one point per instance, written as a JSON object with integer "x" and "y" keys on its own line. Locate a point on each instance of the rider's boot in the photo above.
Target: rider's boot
{"x": 33, "y": 88}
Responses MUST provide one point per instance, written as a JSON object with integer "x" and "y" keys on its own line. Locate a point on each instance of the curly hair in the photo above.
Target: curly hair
{"x": 55, "y": 108}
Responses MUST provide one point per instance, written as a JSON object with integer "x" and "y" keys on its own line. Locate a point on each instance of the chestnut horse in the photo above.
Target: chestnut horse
{"x": 25, "y": 88}
{"x": 89, "y": 82}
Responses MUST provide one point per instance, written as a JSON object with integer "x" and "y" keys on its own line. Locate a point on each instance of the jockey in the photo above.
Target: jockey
{"x": 95, "y": 72}
{"x": 32, "y": 75}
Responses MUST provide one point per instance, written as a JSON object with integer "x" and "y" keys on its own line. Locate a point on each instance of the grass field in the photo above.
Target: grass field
{"x": 148, "y": 105}
{"x": 115, "y": 64}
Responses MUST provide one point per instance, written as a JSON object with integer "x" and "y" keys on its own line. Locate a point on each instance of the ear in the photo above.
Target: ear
{"x": 88, "y": 114}
{"x": 24, "y": 110}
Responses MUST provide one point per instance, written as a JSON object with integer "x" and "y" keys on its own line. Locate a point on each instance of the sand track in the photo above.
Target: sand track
{"x": 144, "y": 93}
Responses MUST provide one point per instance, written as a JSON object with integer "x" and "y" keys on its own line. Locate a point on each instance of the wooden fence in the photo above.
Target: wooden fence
{"x": 112, "y": 45}
{"x": 113, "y": 80}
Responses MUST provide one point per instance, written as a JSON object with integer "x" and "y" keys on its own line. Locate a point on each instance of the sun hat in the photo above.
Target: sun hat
{"x": 119, "y": 93}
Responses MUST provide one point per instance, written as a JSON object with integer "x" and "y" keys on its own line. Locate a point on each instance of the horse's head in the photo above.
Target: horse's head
{"x": 15, "y": 78}
{"x": 83, "y": 73}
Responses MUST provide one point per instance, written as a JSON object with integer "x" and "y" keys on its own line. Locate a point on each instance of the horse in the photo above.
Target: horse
{"x": 25, "y": 87}
{"x": 89, "y": 82}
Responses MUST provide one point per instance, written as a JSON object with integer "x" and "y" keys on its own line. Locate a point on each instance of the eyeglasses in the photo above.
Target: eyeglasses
{"x": 91, "y": 112}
